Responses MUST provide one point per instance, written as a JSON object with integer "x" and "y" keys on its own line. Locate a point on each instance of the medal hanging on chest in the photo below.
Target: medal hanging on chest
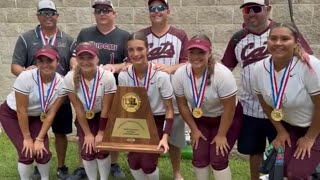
{"x": 45, "y": 100}
{"x": 52, "y": 40}
{"x": 198, "y": 96}
{"x": 277, "y": 94}
{"x": 90, "y": 99}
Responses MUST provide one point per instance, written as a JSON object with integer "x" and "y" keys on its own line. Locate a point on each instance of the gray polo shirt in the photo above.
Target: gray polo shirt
{"x": 30, "y": 41}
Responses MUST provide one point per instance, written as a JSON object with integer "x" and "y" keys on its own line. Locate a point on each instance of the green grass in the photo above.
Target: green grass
{"x": 8, "y": 163}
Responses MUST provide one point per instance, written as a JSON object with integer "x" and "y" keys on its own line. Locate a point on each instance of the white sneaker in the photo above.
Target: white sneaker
{"x": 264, "y": 177}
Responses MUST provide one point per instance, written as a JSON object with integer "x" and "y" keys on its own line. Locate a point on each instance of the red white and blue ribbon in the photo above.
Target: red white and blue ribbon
{"x": 198, "y": 97}
{"x": 52, "y": 41}
{"x": 45, "y": 100}
{"x": 146, "y": 77}
{"x": 277, "y": 95}
{"x": 90, "y": 99}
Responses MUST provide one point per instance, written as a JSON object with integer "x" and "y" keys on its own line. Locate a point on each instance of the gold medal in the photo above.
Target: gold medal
{"x": 197, "y": 112}
{"x": 277, "y": 115}
{"x": 90, "y": 114}
{"x": 43, "y": 116}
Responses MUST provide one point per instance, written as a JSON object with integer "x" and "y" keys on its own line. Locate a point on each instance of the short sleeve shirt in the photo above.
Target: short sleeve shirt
{"x": 159, "y": 88}
{"x": 303, "y": 83}
{"x": 223, "y": 85}
{"x": 27, "y": 83}
{"x": 106, "y": 85}
{"x": 30, "y": 41}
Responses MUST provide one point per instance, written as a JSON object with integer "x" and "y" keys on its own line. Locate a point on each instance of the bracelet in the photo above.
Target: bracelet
{"x": 28, "y": 135}
{"x": 39, "y": 139}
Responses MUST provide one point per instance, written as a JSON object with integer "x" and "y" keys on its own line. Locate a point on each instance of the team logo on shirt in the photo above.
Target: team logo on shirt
{"x": 131, "y": 102}
{"x": 165, "y": 50}
{"x": 255, "y": 55}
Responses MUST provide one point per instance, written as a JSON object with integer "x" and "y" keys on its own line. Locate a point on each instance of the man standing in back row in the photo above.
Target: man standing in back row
{"x": 167, "y": 50}
{"x": 111, "y": 42}
{"x": 23, "y": 59}
{"x": 247, "y": 47}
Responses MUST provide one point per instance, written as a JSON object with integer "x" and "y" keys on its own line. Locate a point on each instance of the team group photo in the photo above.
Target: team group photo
{"x": 160, "y": 90}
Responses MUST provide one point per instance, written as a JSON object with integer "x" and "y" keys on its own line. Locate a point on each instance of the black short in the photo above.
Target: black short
{"x": 252, "y": 139}
{"x": 62, "y": 123}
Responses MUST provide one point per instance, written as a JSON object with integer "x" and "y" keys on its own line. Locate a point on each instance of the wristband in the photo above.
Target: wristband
{"x": 39, "y": 139}
{"x": 102, "y": 123}
{"x": 168, "y": 125}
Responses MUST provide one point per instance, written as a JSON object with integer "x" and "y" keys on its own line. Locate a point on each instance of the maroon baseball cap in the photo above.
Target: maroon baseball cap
{"x": 200, "y": 43}
{"x": 47, "y": 52}
{"x": 163, "y": 1}
{"x": 87, "y": 47}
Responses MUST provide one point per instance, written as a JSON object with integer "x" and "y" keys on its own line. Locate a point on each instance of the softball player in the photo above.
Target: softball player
{"x": 160, "y": 92}
{"x": 215, "y": 118}
{"x": 29, "y": 111}
{"x": 91, "y": 90}
{"x": 167, "y": 50}
{"x": 288, "y": 87}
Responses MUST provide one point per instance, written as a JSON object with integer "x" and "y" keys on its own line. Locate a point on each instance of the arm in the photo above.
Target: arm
{"x": 229, "y": 106}
{"x": 168, "y": 69}
{"x": 73, "y": 62}
{"x": 106, "y": 106}
{"x": 314, "y": 128}
{"x": 169, "y": 116}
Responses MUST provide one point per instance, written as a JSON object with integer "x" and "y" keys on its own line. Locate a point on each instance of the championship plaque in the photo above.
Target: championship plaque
{"x": 131, "y": 126}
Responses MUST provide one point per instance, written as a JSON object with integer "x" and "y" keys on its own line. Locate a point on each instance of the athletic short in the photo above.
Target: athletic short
{"x": 177, "y": 135}
{"x": 252, "y": 139}
{"x": 62, "y": 123}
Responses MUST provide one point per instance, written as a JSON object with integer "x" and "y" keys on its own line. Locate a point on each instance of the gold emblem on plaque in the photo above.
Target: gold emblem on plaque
{"x": 43, "y": 116}
{"x": 131, "y": 102}
{"x": 277, "y": 115}
{"x": 90, "y": 114}
{"x": 197, "y": 112}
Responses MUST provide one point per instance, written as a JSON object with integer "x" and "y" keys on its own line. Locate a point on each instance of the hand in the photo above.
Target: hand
{"x": 195, "y": 136}
{"x": 304, "y": 146}
{"x": 126, "y": 67}
{"x": 281, "y": 140}
{"x": 39, "y": 148}
{"x": 98, "y": 138}
{"x": 88, "y": 143}
{"x": 31, "y": 67}
{"x": 27, "y": 147}
{"x": 164, "y": 143}
{"x": 164, "y": 68}
{"x": 109, "y": 67}
{"x": 221, "y": 145}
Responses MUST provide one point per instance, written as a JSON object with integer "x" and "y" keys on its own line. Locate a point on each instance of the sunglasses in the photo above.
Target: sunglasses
{"x": 160, "y": 8}
{"x": 252, "y": 9}
{"x": 103, "y": 11}
{"x": 47, "y": 13}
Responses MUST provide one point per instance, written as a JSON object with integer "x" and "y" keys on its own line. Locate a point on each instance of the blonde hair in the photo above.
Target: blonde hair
{"x": 76, "y": 77}
{"x": 211, "y": 61}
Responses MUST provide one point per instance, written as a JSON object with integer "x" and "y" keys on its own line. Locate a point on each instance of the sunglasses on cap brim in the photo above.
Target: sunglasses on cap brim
{"x": 252, "y": 9}
{"x": 160, "y": 8}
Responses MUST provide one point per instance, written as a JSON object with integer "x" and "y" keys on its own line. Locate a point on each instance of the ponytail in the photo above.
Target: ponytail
{"x": 76, "y": 77}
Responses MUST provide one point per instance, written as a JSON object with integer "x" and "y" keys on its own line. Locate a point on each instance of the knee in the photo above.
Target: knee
{"x": 149, "y": 169}
{"x": 200, "y": 159}
{"x": 295, "y": 173}
{"x": 88, "y": 156}
{"x": 133, "y": 161}
{"x": 102, "y": 155}
{"x": 46, "y": 158}
{"x": 218, "y": 166}
{"x": 26, "y": 160}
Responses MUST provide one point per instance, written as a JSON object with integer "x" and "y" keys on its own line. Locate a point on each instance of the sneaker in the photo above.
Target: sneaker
{"x": 62, "y": 173}
{"x": 36, "y": 174}
{"x": 78, "y": 174}
{"x": 116, "y": 171}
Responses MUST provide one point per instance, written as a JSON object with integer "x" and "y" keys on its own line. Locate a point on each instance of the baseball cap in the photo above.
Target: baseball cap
{"x": 48, "y": 52}
{"x": 200, "y": 43}
{"x": 46, "y": 4}
{"x": 103, "y": 2}
{"x": 255, "y": 2}
{"x": 163, "y": 1}
{"x": 87, "y": 47}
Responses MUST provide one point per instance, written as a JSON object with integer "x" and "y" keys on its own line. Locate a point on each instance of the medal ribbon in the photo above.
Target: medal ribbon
{"x": 44, "y": 102}
{"x": 52, "y": 41}
{"x": 198, "y": 97}
{"x": 278, "y": 95}
{"x": 146, "y": 77}
{"x": 90, "y": 100}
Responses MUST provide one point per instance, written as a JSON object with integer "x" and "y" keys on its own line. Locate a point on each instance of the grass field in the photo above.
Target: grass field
{"x": 8, "y": 164}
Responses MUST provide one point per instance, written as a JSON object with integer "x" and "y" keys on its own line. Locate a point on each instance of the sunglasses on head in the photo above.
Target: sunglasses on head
{"x": 160, "y": 8}
{"x": 103, "y": 11}
{"x": 47, "y": 13}
{"x": 252, "y": 9}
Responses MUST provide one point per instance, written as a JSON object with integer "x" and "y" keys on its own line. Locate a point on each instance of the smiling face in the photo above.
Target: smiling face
{"x": 47, "y": 66}
{"x": 104, "y": 14}
{"x": 198, "y": 58}
{"x": 48, "y": 18}
{"x": 137, "y": 52}
{"x": 87, "y": 62}
{"x": 281, "y": 43}
{"x": 158, "y": 12}
{"x": 255, "y": 20}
